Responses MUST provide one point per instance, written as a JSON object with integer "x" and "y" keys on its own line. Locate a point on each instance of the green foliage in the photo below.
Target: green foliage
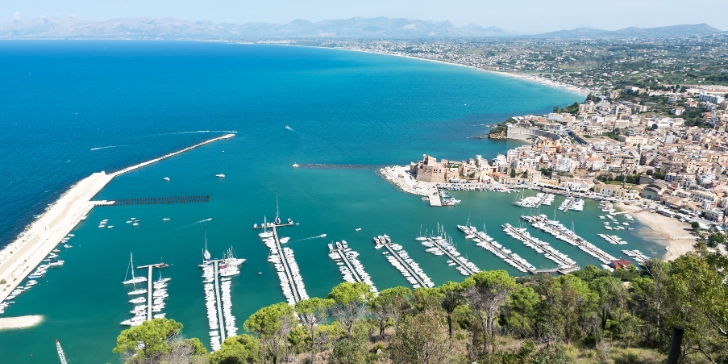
{"x": 592, "y": 312}
{"x": 350, "y": 349}
{"x": 148, "y": 340}
{"x": 716, "y": 239}
{"x": 239, "y": 349}
{"x": 421, "y": 339}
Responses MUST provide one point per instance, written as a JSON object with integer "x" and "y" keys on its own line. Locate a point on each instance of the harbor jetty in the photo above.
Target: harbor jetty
{"x": 401, "y": 261}
{"x": 19, "y": 258}
{"x": 561, "y": 232}
{"x": 349, "y": 265}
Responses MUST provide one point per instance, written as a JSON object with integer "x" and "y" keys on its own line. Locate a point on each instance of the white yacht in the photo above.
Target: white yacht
{"x": 220, "y": 175}
{"x": 166, "y": 179}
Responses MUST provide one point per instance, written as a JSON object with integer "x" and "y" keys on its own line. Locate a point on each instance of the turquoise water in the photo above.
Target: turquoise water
{"x": 146, "y": 99}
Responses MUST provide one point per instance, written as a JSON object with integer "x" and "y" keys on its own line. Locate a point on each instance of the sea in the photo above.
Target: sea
{"x": 72, "y": 108}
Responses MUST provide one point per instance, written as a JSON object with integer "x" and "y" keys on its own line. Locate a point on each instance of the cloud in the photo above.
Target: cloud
{"x": 16, "y": 15}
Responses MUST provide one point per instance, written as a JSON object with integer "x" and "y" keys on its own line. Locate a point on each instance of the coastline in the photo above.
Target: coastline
{"x": 673, "y": 231}
{"x": 21, "y": 257}
{"x": 521, "y": 76}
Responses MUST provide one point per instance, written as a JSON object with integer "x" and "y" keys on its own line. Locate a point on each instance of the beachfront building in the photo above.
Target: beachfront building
{"x": 611, "y": 191}
{"x": 654, "y": 190}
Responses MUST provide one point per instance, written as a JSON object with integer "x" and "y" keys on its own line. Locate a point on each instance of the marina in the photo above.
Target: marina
{"x": 401, "y": 261}
{"x": 352, "y": 270}
{"x": 559, "y": 231}
{"x": 613, "y": 239}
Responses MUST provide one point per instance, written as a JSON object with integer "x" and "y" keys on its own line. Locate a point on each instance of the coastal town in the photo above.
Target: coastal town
{"x": 605, "y": 149}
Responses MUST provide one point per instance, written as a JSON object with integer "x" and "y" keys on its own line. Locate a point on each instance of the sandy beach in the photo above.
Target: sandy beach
{"x": 20, "y": 322}
{"x": 676, "y": 233}
{"x": 522, "y": 76}
{"x": 21, "y": 257}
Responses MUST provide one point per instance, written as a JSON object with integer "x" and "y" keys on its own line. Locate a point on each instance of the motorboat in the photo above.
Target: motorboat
{"x": 220, "y": 175}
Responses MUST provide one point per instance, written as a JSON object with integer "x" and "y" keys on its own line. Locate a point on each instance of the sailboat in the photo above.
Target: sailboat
{"x": 133, "y": 279}
{"x": 205, "y": 253}
{"x": 277, "y": 221}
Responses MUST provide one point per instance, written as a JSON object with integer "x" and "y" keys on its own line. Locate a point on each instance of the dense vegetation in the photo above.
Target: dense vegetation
{"x": 590, "y": 316}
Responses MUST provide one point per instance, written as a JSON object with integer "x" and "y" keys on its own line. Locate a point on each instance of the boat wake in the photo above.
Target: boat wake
{"x": 106, "y": 147}
{"x": 312, "y": 237}
{"x": 202, "y": 132}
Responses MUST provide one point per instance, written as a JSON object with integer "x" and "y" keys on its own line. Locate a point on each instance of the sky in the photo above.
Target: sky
{"x": 525, "y": 16}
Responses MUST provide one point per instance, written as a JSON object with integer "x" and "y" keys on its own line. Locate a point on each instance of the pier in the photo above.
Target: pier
{"x": 565, "y": 264}
{"x": 461, "y": 262}
{"x": 419, "y": 277}
{"x": 286, "y": 267}
{"x": 348, "y": 257}
{"x": 219, "y": 301}
{"x": 562, "y": 233}
{"x": 486, "y": 242}
{"x": 285, "y": 262}
{"x": 156, "y": 200}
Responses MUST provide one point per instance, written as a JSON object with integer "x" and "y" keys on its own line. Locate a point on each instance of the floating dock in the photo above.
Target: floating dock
{"x": 399, "y": 258}
{"x": 465, "y": 267}
{"x": 286, "y": 266}
{"x": 565, "y": 264}
{"x": 341, "y": 251}
{"x": 554, "y": 228}
{"x": 486, "y": 242}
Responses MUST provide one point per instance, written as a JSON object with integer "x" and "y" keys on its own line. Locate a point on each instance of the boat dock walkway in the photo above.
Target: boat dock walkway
{"x": 455, "y": 259}
{"x": 218, "y": 300}
{"x": 562, "y": 233}
{"x": 286, "y": 267}
{"x": 346, "y": 261}
{"x": 541, "y": 201}
{"x": 534, "y": 244}
{"x": 435, "y": 200}
{"x": 567, "y": 204}
{"x": 486, "y": 242}
{"x": 405, "y": 265}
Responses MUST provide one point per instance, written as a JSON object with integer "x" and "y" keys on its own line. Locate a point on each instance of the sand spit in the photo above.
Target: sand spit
{"x": 20, "y": 322}
{"x": 19, "y": 258}
{"x": 677, "y": 233}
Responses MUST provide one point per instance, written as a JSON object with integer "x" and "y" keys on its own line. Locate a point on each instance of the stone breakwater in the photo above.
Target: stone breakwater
{"x": 19, "y": 258}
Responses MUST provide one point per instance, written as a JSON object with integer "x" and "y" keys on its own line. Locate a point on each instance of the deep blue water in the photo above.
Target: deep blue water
{"x": 68, "y": 109}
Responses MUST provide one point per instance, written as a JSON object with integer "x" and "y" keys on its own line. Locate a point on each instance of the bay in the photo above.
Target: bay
{"x": 73, "y": 108}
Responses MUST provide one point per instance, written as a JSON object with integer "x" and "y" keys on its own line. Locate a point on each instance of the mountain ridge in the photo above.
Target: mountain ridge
{"x": 357, "y": 27}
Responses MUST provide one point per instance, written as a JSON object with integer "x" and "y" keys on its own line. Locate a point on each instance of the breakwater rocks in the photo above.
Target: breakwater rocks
{"x": 497, "y": 135}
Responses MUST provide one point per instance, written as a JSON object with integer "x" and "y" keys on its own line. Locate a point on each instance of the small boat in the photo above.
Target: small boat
{"x": 165, "y": 219}
{"x": 110, "y": 226}
{"x": 133, "y": 279}
{"x": 166, "y": 179}
{"x": 357, "y": 229}
{"x": 220, "y": 175}
{"x": 284, "y": 240}
{"x": 295, "y": 165}
{"x": 67, "y": 246}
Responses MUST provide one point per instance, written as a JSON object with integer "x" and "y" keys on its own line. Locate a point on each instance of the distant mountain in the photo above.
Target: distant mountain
{"x": 633, "y": 32}
{"x": 135, "y": 28}
{"x": 362, "y": 28}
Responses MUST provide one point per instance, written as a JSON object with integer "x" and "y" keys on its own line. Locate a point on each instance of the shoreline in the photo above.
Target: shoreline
{"x": 674, "y": 232}
{"x": 23, "y": 255}
{"x": 522, "y": 76}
